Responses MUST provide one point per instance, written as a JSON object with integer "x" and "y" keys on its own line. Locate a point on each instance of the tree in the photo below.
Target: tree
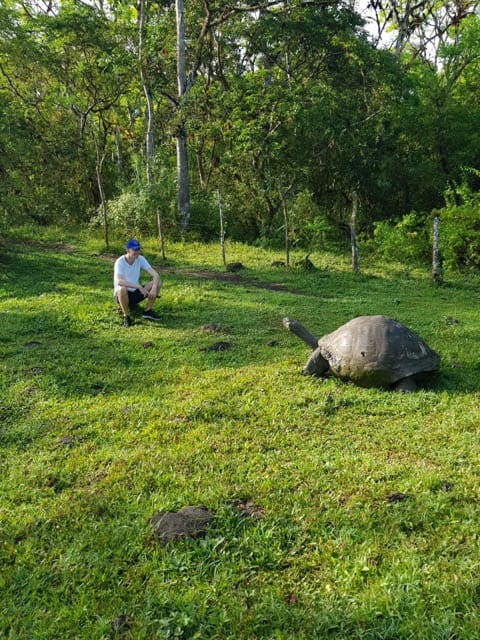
{"x": 423, "y": 25}
{"x": 66, "y": 71}
{"x": 180, "y": 132}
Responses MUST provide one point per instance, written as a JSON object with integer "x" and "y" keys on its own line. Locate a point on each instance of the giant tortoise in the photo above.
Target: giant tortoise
{"x": 372, "y": 351}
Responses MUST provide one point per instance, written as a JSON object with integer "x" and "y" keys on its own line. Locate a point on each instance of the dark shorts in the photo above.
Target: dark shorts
{"x": 134, "y": 297}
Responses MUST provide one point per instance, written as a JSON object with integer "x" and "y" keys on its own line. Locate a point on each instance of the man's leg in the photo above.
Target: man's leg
{"x": 122, "y": 299}
{"x": 127, "y": 301}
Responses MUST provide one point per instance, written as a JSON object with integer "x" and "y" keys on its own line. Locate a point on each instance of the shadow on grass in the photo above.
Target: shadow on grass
{"x": 65, "y": 355}
{"x": 33, "y": 272}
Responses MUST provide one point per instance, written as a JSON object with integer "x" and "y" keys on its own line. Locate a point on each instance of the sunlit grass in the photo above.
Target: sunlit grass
{"x": 99, "y": 431}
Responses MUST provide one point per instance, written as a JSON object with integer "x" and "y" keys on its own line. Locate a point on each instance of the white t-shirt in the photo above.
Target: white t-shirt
{"x": 129, "y": 272}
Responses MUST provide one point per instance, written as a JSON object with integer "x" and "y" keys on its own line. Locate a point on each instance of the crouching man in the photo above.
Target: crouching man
{"x": 128, "y": 291}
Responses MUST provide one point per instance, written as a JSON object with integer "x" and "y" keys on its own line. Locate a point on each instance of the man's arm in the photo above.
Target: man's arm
{"x": 154, "y": 274}
{"x": 155, "y": 283}
{"x": 121, "y": 282}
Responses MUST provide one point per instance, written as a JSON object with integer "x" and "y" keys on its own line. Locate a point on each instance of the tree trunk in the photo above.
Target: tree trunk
{"x": 353, "y": 232}
{"x": 149, "y": 142}
{"x": 118, "y": 147}
{"x": 150, "y": 135}
{"x": 183, "y": 188}
{"x": 99, "y": 160}
{"x": 403, "y": 33}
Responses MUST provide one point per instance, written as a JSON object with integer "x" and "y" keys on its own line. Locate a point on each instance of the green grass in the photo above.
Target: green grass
{"x": 98, "y": 432}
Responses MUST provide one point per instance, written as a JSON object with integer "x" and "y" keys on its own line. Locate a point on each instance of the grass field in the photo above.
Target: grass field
{"x": 366, "y": 503}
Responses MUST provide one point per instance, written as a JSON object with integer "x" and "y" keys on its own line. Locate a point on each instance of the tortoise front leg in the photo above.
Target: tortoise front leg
{"x": 316, "y": 365}
{"x": 405, "y": 385}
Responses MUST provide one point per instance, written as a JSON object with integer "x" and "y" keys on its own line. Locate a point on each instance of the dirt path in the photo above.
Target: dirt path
{"x": 221, "y": 276}
{"x": 233, "y": 278}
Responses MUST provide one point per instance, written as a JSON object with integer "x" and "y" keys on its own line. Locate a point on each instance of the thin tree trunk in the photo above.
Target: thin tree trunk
{"x": 353, "y": 232}
{"x": 150, "y": 135}
{"x": 183, "y": 188}
{"x": 181, "y": 134}
{"x": 118, "y": 147}
{"x": 402, "y": 35}
{"x": 99, "y": 160}
{"x": 149, "y": 141}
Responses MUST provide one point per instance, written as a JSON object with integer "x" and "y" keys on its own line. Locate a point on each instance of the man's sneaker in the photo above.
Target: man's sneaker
{"x": 151, "y": 315}
{"x": 127, "y": 322}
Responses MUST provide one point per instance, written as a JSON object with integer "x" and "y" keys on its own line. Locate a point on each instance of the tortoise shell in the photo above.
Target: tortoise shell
{"x": 376, "y": 351}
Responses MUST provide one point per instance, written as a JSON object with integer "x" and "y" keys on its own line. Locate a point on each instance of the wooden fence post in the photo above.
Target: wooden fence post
{"x": 222, "y": 228}
{"x": 436, "y": 262}
{"x": 161, "y": 240}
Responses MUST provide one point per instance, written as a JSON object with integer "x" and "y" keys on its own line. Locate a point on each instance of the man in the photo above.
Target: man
{"x": 128, "y": 291}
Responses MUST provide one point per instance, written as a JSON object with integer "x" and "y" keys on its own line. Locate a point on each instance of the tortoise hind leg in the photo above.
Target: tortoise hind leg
{"x": 405, "y": 385}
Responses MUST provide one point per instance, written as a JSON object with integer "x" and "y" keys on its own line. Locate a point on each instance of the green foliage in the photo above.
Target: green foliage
{"x": 134, "y": 210}
{"x": 310, "y": 226}
{"x": 290, "y": 98}
{"x": 205, "y": 218}
{"x": 460, "y": 227}
{"x": 130, "y": 214}
{"x": 101, "y": 427}
{"x": 409, "y": 239}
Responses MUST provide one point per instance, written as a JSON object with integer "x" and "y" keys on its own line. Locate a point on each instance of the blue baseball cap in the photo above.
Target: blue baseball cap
{"x": 133, "y": 244}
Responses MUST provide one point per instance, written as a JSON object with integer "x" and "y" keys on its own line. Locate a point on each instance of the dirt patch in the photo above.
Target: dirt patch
{"x": 233, "y": 278}
{"x": 189, "y": 522}
{"x": 60, "y": 247}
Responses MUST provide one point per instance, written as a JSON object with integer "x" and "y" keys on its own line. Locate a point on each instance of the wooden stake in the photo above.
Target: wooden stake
{"x": 160, "y": 235}
{"x": 436, "y": 263}
{"x": 222, "y": 229}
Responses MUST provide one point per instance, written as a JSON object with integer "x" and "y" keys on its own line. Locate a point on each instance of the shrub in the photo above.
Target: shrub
{"x": 204, "y": 218}
{"x": 135, "y": 213}
{"x": 460, "y": 228}
{"x": 409, "y": 239}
